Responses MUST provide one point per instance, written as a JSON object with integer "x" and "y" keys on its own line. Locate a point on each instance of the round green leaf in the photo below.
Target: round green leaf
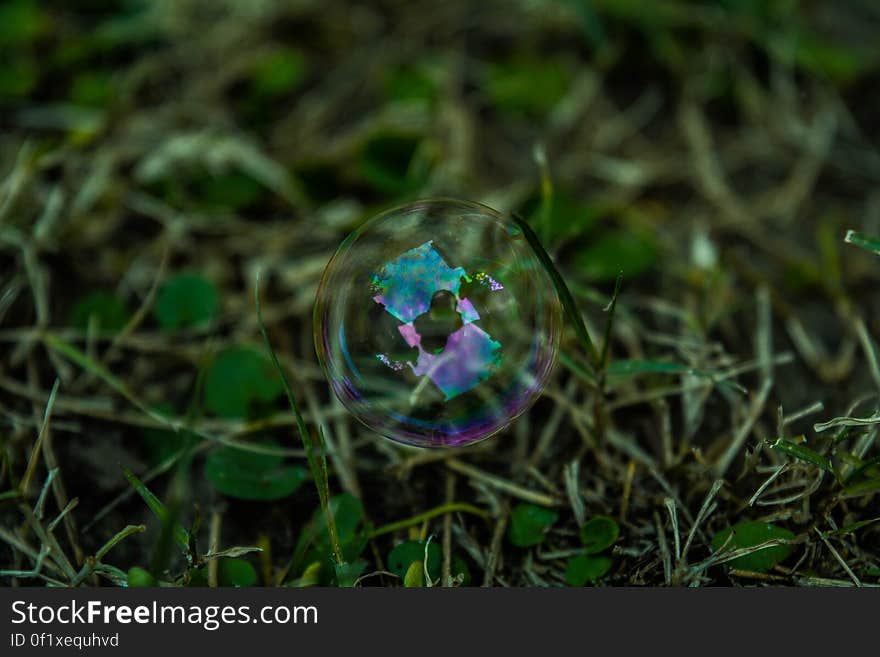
{"x": 408, "y": 552}
{"x": 186, "y": 300}
{"x": 239, "y": 381}
{"x": 617, "y": 251}
{"x": 236, "y": 572}
{"x": 748, "y": 534}
{"x": 314, "y": 541}
{"x": 586, "y": 568}
{"x": 139, "y": 577}
{"x": 529, "y": 523}
{"x": 251, "y": 476}
{"x": 599, "y": 533}
{"x": 348, "y": 514}
{"x": 108, "y": 312}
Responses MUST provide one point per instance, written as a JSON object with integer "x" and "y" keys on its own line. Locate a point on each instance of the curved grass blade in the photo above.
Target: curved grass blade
{"x": 871, "y": 244}
{"x": 181, "y": 536}
{"x": 565, "y": 296}
{"x": 315, "y": 449}
{"x": 804, "y": 454}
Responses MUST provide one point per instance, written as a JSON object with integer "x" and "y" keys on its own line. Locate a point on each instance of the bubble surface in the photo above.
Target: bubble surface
{"x": 436, "y": 324}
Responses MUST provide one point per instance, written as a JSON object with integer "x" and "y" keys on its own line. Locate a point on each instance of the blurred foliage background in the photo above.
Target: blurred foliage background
{"x": 156, "y": 155}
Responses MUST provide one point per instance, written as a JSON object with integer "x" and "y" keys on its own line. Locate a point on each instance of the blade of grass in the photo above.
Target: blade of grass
{"x": 95, "y": 368}
{"x": 546, "y": 208}
{"x": 871, "y": 244}
{"x": 861, "y": 469}
{"x": 568, "y": 303}
{"x": 120, "y": 536}
{"x": 804, "y": 454}
{"x": 606, "y": 341}
{"x": 860, "y": 488}
{"x": 850, "y": 529}
{"x": 417, "y": 519}
{"x": 35, "y": 454}
{"x": 315, "y": 448}
{"x": 181, "y": 536}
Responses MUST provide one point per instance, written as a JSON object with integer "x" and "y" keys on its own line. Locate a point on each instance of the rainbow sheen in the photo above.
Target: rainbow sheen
{"x": 436, "y": 324}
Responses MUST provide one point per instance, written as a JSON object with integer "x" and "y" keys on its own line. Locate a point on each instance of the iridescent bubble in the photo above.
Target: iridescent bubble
{"x": 436, "y": 324}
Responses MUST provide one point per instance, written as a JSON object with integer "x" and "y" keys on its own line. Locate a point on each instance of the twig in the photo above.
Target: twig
{"x": 495, "y": 548}
{"x": 742, "y": 434}
{"x": 502, "y": 484}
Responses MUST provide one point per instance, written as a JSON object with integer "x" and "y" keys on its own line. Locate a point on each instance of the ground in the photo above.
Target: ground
{"x": 161, "y": 161}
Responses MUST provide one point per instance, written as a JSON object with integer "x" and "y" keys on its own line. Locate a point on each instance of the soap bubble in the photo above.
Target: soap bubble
{"x": 436, "y": 324}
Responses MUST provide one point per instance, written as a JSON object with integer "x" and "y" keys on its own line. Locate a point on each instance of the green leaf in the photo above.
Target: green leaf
{"x": 139, "y": 577}
{"x": 415, "y": 576}
{"x": 92, "y": 88}
{"x": 348, "y": 514}
{"x": 860, "y": 468}
{"x": 181, "y": 536}
{"x": 239, "y": 381}
{"x": 528, "y": 85}
{"x": 853, "y": 528}
{"x": 822, "y": 57}
{"x": 586, "y": 568}
{"x": 871, "y": 244}
{"x": 529, "y": 524}
{"x": 22, "y": 22}
{"x": 617, "y": 251}
{"x": 410, "y": 83}
{"x": 197, "y": 577}
{"x": 18, "y": 78}
{"x": 804, "y": 454}
{"x": 186, "y": 300}
{"x": 278, "y": 72}
{"x": 863, "y": 487}
{"x": 404, "y": 554}
{"x": 599, "y": 533}
{"x": 314, "y": 544}
{"x": 749, "y": 533}
{"x": 236, "y": 572}
{"x": 566, "y": 216}
{"x": 248, "y": 475}
{"x": 108, "y": 312}
{"x": 626, "y": 367}
{"x": 348, "y": 573}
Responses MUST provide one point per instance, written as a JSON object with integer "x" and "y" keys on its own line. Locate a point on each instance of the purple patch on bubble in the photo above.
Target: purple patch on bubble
{"x": 470, "y": 356}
